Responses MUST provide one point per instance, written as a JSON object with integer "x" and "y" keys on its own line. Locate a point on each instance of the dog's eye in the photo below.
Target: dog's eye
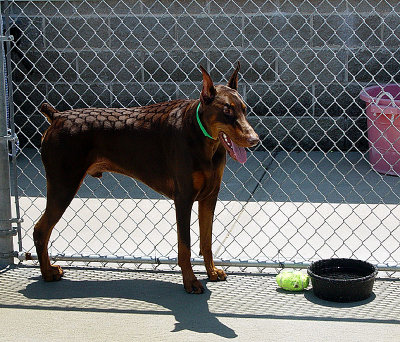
{"x": 228, "y": 110}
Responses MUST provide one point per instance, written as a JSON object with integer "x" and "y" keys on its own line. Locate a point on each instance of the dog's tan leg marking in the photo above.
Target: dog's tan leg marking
{"x": 190, "y": 282}
{"x": 183, "y": 211}
{"x": 206, "y": 215}
{"x": 41, "y": 235}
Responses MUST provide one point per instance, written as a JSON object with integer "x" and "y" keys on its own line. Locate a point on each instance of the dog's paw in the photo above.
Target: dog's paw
{"x": 216, "y": 274}
{"x": 53, "y": 274}
{"x": 193, "y": 286}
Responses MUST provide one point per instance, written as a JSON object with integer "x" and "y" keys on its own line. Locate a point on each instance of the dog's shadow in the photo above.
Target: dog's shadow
{"x": 191, "y": 311}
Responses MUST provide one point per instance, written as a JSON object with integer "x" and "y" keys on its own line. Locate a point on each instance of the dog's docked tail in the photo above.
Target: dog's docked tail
{"x": 48, "y": 111}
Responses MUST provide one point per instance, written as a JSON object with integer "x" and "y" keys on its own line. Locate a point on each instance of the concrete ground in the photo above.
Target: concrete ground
{"x": 134, "y": 305}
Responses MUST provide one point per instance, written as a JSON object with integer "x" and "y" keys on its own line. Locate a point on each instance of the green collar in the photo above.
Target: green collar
{"x": 201, "y": 125}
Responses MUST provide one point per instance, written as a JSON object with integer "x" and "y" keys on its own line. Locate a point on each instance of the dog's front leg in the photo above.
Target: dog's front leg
{"x": 206, "y": 216}
{"x": 183, "y": 210}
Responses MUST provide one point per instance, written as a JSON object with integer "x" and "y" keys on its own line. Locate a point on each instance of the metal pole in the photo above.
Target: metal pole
{"x": 6, "y": 231}
{"x": 11, "y": 125}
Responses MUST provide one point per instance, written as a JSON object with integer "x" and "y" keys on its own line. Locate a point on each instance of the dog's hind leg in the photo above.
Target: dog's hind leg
{"x": 60, "y": 192}
{"x": 206, "y": 215}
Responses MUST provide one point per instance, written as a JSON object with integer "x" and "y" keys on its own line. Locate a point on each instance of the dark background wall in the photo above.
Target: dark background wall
{"x": 304, "y": 63}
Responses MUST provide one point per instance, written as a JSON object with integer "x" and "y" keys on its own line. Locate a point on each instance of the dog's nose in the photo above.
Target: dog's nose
{"x": 253, "y": 140}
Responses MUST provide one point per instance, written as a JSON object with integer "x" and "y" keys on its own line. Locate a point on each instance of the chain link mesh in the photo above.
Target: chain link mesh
{"x": 307, "y": 192}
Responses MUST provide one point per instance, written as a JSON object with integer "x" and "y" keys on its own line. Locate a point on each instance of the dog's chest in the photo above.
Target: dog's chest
{"x": 208, "y": 180}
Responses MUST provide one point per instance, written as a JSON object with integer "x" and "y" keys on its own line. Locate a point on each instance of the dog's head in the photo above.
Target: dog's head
{"x": 224, "y": 113}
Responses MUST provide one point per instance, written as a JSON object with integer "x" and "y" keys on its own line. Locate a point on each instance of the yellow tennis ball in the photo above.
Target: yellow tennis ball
{"x": 292, "y": 280}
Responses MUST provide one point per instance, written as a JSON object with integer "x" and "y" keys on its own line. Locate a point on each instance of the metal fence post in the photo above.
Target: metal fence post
{"x": 6, "y": 231}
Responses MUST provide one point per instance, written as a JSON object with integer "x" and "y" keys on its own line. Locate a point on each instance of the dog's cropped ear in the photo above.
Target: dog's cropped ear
{"x": 208, "y": 92}
{"x": 233, "y": 81}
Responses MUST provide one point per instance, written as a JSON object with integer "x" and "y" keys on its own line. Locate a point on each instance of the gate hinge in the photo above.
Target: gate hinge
{"x": 9, "y": 38}
{"x": 13, "y": 220}
{"x": 8, "y": 232}
{"x": 8, "y": 255}
{"x": 9, "y": 137}
{"x": 12, "y": 231}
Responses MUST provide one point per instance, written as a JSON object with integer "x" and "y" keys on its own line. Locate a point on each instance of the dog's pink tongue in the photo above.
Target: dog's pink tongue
{"x": 240, "y": 153}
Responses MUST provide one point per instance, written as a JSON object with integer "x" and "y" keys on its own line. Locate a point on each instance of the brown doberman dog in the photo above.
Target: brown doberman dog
{"x": 178, "y": 148}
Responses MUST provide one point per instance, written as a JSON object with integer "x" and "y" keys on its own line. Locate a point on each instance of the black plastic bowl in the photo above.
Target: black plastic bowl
{"x": 342, "y": 280}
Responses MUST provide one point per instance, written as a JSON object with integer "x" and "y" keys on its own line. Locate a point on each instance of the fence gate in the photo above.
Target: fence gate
{"x": 307, "y": 192}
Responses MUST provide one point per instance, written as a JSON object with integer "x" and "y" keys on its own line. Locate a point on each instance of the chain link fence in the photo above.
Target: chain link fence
{"x": 307, "y": 192}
